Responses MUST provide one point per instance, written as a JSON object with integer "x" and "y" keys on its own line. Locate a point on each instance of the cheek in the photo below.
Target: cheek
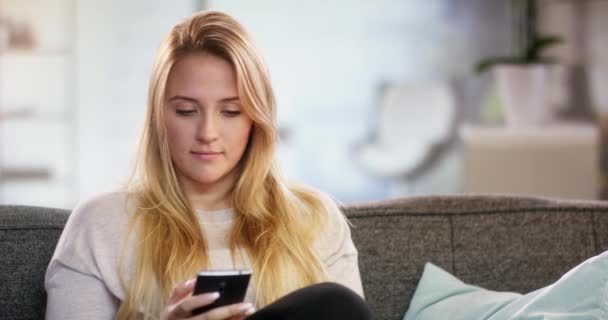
{"x": 246, "y": 132}
{"x": 177, "y": 135}
{"x": 239, "y": 135}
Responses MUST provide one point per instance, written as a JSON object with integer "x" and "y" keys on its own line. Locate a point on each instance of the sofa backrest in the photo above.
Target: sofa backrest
{"x": 28, "y": 236}
{"x": 502, "y": 243}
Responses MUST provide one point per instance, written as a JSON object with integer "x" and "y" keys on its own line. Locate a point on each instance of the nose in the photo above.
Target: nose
{"x": 208, "y": 127}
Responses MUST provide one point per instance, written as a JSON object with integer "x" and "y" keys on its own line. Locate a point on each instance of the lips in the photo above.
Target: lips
{"x": 206, "y": 155}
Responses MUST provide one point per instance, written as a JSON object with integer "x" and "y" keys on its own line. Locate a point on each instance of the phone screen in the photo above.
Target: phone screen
{"x": 230, "y": 284}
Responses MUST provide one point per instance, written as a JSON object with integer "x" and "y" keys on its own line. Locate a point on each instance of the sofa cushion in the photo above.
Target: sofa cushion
{"x": 600, "y": 232}
{"x": 520, "y": 250}
{"x": 28, "y": 236}
{"x": 439, "y": 294}
{"x": 501, "y": 242}
{"x": 582, "y": 293}
{"x": 393, "y": 248}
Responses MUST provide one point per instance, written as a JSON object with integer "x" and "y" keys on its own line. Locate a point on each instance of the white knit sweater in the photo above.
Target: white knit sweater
{"x": 82, "y": 279}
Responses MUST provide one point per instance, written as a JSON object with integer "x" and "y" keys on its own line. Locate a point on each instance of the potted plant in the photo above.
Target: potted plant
{"x": 521, "y": 79}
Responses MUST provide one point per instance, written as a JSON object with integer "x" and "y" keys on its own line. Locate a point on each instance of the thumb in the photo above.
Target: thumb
{"x": 182, "y": 291}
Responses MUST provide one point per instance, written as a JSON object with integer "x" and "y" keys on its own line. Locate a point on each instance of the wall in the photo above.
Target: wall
{"x": 116, "y": 44}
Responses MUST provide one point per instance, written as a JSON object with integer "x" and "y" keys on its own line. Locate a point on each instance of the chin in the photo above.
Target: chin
{"x": 208, "y": 179}
{"x": 206, "y": 176}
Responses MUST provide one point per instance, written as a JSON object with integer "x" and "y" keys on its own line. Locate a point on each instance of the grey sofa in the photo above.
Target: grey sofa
{"x": 498, "y": 242}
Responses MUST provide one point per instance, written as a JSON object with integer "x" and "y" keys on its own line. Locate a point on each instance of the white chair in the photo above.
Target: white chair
{"x": 415, "y": 122}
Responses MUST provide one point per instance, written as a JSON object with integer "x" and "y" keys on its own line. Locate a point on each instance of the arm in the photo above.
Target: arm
{"x": 75, "y": 295}
{"x": 338, "y": 251}
{"x": 345, "y": 270}
{"x": 82, "y": 279}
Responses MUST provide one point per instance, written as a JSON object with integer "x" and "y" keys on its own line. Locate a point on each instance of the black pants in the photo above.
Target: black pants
{"x": 317, "y": 302}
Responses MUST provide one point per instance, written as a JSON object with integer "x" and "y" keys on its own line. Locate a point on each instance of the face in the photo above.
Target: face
{"x": 207, "y": 129}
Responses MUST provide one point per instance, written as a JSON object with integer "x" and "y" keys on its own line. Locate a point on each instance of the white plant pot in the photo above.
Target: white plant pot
{"x": 522, "y": 90}
{"x": 598, "y": 82}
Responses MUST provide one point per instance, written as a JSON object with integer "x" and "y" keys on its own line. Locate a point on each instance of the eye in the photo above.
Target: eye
{"x": 185, "y": 112}
{"x": 231, "y": 113}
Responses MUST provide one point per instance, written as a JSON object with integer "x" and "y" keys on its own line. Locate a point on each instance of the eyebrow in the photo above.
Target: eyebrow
{"x": 190, "y": 99}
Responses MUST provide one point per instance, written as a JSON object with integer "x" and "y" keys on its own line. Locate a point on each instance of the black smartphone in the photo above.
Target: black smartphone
{"x": 230, "y": 284}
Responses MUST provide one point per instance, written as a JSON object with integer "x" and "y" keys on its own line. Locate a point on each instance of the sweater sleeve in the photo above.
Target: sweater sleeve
{"x": 75, "y": 295}
{"x": 338, "y": 251}
{"x": 82, "y": 278}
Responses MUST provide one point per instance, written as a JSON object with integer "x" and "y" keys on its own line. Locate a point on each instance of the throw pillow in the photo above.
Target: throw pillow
{"x": 582, "y": 293}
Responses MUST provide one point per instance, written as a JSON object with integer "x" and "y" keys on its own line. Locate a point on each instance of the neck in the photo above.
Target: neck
{"x": 210, "y": 197}
{"x": 210, "y": 201}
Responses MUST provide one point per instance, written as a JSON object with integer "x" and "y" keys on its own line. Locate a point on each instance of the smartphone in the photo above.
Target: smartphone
{"x": 230, "y": 284}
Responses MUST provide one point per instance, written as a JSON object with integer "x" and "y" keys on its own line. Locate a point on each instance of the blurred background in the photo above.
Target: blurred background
{"x": 376, "y": 99}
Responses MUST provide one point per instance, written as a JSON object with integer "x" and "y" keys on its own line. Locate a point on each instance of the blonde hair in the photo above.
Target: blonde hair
{"x": 276, "y": 222}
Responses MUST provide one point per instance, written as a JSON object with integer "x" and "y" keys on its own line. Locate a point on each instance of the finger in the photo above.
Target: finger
{"x": 233, "y": 310}
{"x": 185, "y": 307}
{"x": 182, "y": 291}
{"x": 242, "y": 317}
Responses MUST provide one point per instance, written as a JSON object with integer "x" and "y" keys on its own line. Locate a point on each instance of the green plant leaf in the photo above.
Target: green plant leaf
{"x": 486, "y": 64}
{"x": 532, "y": 54}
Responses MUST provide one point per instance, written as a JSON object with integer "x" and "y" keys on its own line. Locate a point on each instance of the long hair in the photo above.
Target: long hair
{"x": 276, "y": 222}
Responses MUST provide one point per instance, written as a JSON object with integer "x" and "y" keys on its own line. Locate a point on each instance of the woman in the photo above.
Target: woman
{"x": 206, "y": 194}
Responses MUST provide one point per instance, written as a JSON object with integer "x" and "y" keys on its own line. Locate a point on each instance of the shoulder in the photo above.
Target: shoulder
{"x": 328, "y": 221}
{"x": 335, "y": 217}
{"x": 335, "y": 232}
{"x": 104, "y": 208}
{"x": 98, "y": 221}
{"x": 107, "y": 201}
{"x": 317, "y": 201}
{"x": 322, "y": 206}
{"x": 329, "y": 209}
{"x": 92, "y": 239}
{"x": 95, "y": 227}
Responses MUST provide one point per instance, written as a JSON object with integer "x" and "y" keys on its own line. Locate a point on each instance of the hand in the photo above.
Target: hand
{"x": 182, "y": 303}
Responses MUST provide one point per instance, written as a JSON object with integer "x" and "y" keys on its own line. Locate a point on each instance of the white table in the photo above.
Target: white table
{"x": 559, "y": 160}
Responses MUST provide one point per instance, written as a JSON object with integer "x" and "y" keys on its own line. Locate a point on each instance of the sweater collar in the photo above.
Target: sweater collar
{"x": 222, "y": 215}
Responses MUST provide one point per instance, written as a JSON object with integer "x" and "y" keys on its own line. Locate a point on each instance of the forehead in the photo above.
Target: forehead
{"x": 202, "y": 76}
